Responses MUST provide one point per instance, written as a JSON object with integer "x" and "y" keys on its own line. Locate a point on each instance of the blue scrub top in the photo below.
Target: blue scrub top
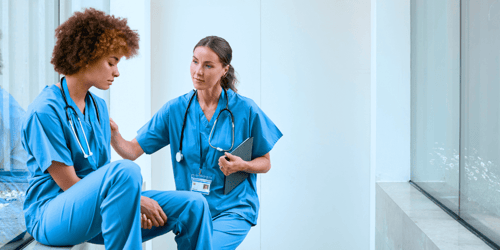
{"x": 249, "y": 120}
{"x": 47, "y": 136}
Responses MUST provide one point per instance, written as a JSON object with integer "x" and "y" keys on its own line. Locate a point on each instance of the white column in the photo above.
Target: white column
{"x": 373, "y": 119}
{"x": 5, "y": 80}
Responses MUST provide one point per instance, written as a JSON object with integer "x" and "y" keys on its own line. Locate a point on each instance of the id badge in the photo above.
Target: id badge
{"x": 201, "y": 183}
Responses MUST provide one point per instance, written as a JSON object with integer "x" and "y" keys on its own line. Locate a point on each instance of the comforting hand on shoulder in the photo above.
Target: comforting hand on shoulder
{"x": 113, "y": 125}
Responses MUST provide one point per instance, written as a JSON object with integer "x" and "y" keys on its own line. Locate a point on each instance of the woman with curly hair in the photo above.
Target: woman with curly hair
{"x": 75, "y": 193}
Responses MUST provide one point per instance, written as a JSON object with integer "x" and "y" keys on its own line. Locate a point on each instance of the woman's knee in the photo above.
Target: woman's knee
{"x": 196, "y": 201}
{"x": 126, "y": 170}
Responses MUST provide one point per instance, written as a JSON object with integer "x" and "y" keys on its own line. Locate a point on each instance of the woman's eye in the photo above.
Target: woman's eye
{"x": 111, "y": 65}
{"x": 209, "y": 66}
{"x": 195, "y": 62}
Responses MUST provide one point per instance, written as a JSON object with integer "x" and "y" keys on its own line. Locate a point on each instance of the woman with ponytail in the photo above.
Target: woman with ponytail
{"x": 200, "y": 146}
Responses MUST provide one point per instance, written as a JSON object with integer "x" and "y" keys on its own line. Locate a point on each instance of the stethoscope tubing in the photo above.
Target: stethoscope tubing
{"x": 179, "y": 156}
{"x": 85, "y": 155}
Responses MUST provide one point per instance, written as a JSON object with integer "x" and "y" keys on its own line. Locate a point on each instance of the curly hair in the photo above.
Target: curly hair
{"x": 87, "y": 36}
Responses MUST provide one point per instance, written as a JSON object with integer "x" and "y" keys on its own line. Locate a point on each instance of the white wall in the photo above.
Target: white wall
{"x": 390, "y": 96}
{"x": 393, "y": 90}
{"x": 130, "y": 95}
{"x": 308, "y": 67}
{"x": 316, "y": 87}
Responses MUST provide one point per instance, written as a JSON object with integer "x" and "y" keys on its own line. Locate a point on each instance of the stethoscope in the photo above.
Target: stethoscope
{"x": 179, "y": 156}
{"x": 71, "y": 122}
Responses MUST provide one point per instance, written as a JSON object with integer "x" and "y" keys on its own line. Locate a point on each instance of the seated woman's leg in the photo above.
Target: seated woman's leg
{"x": 188, "y": 216}
{"x": 107, "y": 201}
{"x": 230, "y": 230}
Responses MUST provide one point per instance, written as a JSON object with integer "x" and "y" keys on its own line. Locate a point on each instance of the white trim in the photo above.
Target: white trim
{"x": 373, "y": 119}
{"x": 6, "y": 78}
{"x": 41, "y": 46}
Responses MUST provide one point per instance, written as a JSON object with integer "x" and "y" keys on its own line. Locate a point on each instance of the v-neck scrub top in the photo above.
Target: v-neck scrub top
{"x": 249, "y": 121}
{"x": 46, "y": 121}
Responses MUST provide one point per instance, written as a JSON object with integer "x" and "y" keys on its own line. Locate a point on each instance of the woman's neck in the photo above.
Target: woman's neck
{"x": 209, "y": 97}
{"x": 77, "y": 89}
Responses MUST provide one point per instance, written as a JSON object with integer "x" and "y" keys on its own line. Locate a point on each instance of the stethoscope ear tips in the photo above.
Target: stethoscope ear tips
{"x": 179, "y": 157}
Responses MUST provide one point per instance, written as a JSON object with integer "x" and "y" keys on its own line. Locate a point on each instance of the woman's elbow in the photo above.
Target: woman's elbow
{"x": 267, "y": 168}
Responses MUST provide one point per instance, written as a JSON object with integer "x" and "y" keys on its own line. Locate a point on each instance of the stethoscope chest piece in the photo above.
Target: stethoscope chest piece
{"x": 179, "y": 157}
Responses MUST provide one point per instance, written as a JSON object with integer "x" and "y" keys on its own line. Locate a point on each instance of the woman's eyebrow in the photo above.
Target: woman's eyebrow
{"x": 194, "y": 57}
{"x": 116, "y": 58}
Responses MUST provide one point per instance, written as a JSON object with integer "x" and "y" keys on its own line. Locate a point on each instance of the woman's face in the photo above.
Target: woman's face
{"x": 102, "y": 73}
{"x": 206, "y": 68}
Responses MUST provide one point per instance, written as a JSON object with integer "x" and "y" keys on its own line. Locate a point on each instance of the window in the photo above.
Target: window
{"x": 26, "y": 43}
{"x": 455, "y": 93}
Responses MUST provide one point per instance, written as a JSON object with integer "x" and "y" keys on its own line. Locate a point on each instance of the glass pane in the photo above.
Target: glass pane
{"x": 480, "y": 134}
{"x": 435, "y": 95}
{"x": 26, "y": 43}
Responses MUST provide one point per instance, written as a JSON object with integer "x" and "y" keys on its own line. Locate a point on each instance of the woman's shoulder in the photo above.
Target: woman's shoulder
{"x": 48, "y": 102}
{"x": 241, "y": 100}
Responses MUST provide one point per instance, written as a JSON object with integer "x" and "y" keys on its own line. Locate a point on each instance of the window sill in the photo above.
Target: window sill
{"x": 406, "y": 219}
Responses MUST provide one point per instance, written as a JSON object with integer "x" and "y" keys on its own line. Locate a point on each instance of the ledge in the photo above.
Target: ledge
{"x": 406, "y": 219}
{"x": 84, "y": 246}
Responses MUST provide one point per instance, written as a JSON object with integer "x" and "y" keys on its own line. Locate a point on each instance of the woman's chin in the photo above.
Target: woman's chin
{"x": 198, "y": 86}
{"x": 103, "y": 87}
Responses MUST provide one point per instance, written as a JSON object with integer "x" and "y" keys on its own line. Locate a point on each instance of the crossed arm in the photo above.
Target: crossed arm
{"x": 151, "y": 212}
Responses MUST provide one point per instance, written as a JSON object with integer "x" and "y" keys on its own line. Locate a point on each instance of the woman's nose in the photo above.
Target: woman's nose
{"x": 198, "y": 70}
{"x": 116, "y": 73}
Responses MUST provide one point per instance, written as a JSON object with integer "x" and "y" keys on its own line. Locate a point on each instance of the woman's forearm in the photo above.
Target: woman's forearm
{"x": 258, "y": 165}
{"x": 130, "y": 150}
{"x": 64, "y": 176}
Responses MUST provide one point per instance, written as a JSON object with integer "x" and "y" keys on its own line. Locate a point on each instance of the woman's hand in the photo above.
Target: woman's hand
{"x": 145, "y": 222}
{"x": 151, "y": 213}
{"x": 234, "y": 164}
{"x": 114, "y": 126}
{"x": 130, "y": 150}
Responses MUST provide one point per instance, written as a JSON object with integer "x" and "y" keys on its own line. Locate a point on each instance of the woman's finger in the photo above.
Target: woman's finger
{"x": 163, "y": 216}
{"x": 154, "y": 220}
{"x": 150, "y": 224}
{"x": 144, "y": 222}
{"x": 160, "y": 221}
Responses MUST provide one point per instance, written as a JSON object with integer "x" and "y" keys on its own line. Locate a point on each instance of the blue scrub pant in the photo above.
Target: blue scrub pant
{"x": 230, "y": 230}
{"x": 104, "y": 208}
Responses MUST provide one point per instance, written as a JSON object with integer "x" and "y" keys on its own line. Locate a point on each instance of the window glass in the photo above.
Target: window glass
{"x": 26, "y": 43}
{"x": 480, "y": 132}
{"x": 435, "y": 95}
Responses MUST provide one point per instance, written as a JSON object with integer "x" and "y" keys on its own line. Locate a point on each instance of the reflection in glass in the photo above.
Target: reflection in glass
{"x": 26, "y": 45}
{"x": 480, "y": 133}
{"x": 435, "y": 95}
